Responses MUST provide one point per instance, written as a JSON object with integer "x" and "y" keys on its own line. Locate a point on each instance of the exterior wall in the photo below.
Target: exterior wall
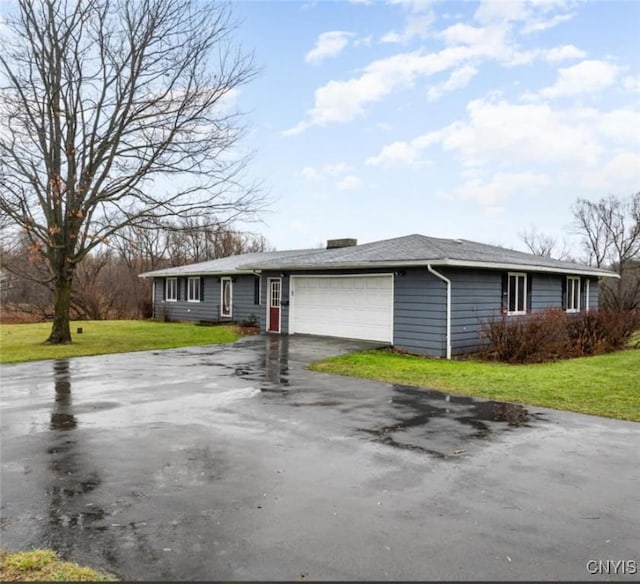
{"x": 208, "y": 309}
{"x": 476, "y": 297}
{"x": 419, "y": 315}
{"x": 546, "y": 291}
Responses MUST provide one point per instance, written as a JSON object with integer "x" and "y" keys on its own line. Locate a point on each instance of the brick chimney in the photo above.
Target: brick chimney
{"x": 338, "y": 243}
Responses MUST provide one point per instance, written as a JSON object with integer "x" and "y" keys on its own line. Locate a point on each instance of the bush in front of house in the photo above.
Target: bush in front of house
{"x": 554, "y": 334}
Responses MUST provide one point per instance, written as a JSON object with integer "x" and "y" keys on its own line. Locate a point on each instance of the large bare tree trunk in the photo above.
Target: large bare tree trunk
{"x": 60, "y": 329}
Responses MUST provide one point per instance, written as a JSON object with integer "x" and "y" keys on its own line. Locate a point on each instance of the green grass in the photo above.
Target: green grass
{"x": 604, "y": 385}
{"x": 25, "y": 342}
{"x": 44, "y": 566}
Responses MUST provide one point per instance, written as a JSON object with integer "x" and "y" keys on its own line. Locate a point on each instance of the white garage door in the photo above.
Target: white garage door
{"x": 353, "y": 307}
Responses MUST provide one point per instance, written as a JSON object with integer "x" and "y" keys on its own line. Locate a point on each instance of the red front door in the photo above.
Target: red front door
{"x": 275, "y": 292}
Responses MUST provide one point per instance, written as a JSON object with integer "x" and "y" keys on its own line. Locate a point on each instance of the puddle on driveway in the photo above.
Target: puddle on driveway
{"x": 410, "y": 418}
{"x": 443, "y": 425}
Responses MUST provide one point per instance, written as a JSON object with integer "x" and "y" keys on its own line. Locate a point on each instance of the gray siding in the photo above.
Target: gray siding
{"x": 419, "y": 315}
{"x": 476, "y": 297}
{"x": 546, "y": 291}
{"x": 208, "y": 309}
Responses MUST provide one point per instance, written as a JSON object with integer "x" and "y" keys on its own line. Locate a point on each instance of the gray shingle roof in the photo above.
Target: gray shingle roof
{"x": 230, "y": 264}
{"x": 409, "y": 250}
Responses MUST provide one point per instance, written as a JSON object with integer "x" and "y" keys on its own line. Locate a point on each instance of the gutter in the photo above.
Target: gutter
{"x": 448, "y": 283}
{"x": 168, "y": 274}
{"x": 371, "y": 265}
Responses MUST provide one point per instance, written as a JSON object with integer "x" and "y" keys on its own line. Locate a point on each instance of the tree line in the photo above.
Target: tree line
{"x": 609, "y": 237}
{"x": 106, "y": 283}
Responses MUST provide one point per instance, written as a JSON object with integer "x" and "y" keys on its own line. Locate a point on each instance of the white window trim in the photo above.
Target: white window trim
{"x": 222, "y": 281}
{"x": 189, "y": 289}
{"x": 574, "y": 279}
{"x": 524, "y": 304}
{"x": 175, "y": 289}
{"x": 587, "y": 293}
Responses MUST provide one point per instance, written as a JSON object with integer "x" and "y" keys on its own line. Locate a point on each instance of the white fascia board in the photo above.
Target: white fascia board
{"x": 441, "y": 262}
{"x": 527, "y": 268}
{"x": 170, "y": 274}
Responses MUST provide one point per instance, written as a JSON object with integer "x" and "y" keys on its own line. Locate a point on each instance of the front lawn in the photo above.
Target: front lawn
{"x": 25, "y": 342}
{"x": 604, "y": 385}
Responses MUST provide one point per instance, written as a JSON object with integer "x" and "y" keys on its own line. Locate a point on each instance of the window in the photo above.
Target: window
{"x": 276, "y": 286}
{"x": 256, "y": 290}
{"x": 226, "y": 297}
{"x": 193, "y": 289}
{"x": 517, "y": 293}
{"x": 171, "y": 289}
{"x": 573, "y": 294}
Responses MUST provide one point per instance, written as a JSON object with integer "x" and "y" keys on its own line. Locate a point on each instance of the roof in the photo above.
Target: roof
{"x": 410, "y": 250}
{"x": 236, "y": 264}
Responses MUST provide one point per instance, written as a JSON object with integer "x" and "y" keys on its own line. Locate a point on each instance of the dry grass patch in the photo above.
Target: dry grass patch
{"x": 45, "y": 566}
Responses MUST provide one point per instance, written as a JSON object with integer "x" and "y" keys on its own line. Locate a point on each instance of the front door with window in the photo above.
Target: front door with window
{"x": 273, "y": 306}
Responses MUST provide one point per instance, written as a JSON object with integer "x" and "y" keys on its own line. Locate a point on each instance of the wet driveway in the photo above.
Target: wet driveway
{"x": 236, "y": 463}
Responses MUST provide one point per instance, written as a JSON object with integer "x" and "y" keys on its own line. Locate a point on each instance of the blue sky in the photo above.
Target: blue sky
{"x": 453, "y": 119}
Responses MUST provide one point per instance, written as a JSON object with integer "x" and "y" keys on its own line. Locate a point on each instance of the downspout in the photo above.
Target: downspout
{"x": 448, "y": 283}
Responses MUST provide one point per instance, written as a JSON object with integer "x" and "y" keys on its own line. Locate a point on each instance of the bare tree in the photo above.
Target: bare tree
{"x": 538, "y": 243}
{"x": 194, "y": 240}
{"x": 114, "y": 114}
{"x": 610, "y": 230}
{"x": 545, "y": 245}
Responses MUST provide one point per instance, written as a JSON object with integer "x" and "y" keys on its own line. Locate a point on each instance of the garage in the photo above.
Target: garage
{"x": 352, "y": 307}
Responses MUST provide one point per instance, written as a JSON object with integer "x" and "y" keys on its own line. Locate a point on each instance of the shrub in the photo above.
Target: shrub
{"x": 251, "y": 320}
{"x": 601, "y": 331}
{"x": 553, "y": 334}
{"x": 530, "y": 338}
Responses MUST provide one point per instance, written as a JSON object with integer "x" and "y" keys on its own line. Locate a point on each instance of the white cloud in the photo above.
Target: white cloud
{"x": 502, "y": 186}
{"x": 395, "y": 154}
{"x": 466, "y": 46}
{"x": 631, "y": 83}
{"x": 418, "y": 22}
{"x": 341, "y": 101}
{"x": 531, "y": 148}
{"x": 504, "y": 133}
{"x": 349, "y": 183}
{"x": 536, "y": 25}
{"x": 311, "y": 173}
{"x": 458, "y": 79}
{"x": 328, "y": 44}
{"x": 564, "y": 53}
{"x": 585, "y": 77}
{"x": 500, "y": 131}
{"x": 536, "y": 15}
{"x": 501, "y": 11}
{"x": 622, "y": 125}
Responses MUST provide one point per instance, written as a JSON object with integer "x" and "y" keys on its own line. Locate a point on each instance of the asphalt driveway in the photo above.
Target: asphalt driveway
{"x": 236, "y": 463}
